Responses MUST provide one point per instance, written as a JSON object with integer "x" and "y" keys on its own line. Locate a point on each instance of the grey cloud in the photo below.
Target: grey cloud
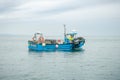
{"x": 9, "y": 6}
{"x": 75, "y": 4}
{"x": 35, "y": 22}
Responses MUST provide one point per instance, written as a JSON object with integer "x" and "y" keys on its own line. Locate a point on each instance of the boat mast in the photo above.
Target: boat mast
{"x": 65, "y": 40}
{"x": 64, "y": 30}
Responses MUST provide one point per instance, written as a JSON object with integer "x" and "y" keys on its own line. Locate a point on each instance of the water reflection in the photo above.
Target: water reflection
{"x": 57, "y": 53}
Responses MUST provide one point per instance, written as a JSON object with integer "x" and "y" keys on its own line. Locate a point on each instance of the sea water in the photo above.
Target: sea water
{"x": 99, "y": 59}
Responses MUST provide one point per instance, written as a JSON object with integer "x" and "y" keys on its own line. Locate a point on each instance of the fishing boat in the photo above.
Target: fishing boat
{"x": 70, "y": 42}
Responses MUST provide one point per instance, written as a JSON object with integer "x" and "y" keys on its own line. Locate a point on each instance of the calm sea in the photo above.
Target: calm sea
{"x": 98, "y": 60}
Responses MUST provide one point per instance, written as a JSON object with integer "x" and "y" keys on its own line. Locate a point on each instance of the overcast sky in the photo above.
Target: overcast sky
{"x": 87, "y": 17}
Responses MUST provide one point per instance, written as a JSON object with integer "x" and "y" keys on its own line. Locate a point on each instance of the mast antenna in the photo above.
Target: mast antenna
{"x": 64, "y": 30}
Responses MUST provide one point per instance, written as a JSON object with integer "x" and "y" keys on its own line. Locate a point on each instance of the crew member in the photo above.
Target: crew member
{"x": 70, "y": 38}
{"x": 41, "y": 39}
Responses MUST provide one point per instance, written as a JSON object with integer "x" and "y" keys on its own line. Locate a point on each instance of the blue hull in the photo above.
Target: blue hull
{"x": 40, "y": 47}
